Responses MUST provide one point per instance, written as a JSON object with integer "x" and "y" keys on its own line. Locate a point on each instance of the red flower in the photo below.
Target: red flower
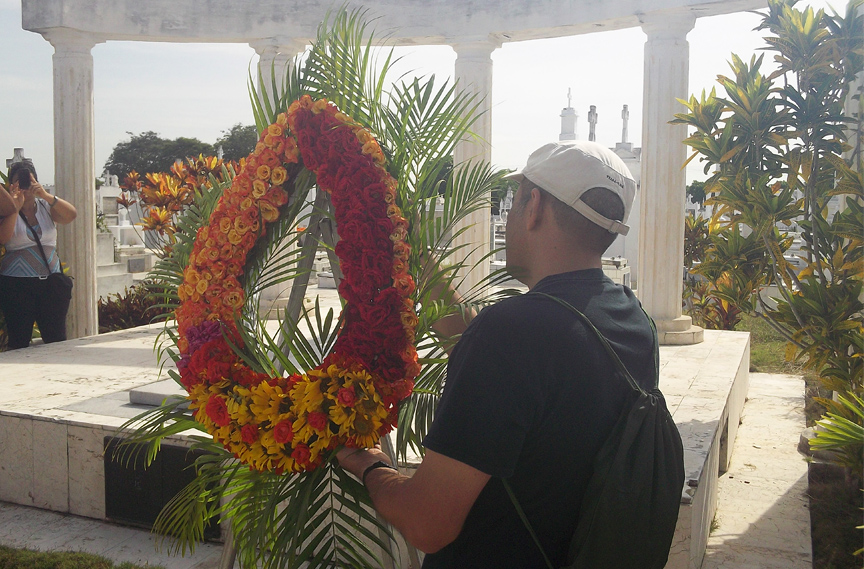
{"x": 301, "y": 454}
{"x": 283, "y": 432}
{"x": 317, "y": 420}
{"x": 217, "y": 410}
{"x": 249, "y": 433}
{"x": 346, "y": 397}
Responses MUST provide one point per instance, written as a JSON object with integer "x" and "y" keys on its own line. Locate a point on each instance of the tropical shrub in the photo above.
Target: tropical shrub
{"x": 163, "y": 195}
{"x": 726, "y": 271}
{"x": 136, "y": 306}
{"x": 786, "y": 147}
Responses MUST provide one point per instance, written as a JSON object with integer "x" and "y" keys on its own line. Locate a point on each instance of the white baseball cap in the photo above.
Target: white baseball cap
{"x": 569, "y": 169}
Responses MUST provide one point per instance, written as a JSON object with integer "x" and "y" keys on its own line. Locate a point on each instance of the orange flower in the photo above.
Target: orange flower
{"x": 225, "y": 224}
{"x": 278, "y": 175}
{"x": 404, "y": 283}
{"x": 268, "y": 211}
{"x": 263, "y": 172}
{"x": 233, "y": 299}
{"x": 234, "y": 237}
{"x": 292, "y": 153}
{"x": 240, "y": 226}
{"x": 275, "y": 129}
{"x": 158, "y": 219}
{"x": 259, "y": 188}
{"x": 319, "y": 106}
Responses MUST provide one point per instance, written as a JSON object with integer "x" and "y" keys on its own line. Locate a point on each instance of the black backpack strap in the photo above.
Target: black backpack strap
{"x": 619, "y": 365}
{"x": 622, "y": 369}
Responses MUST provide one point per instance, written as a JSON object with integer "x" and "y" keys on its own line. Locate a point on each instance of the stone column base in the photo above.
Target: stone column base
{"x": 692, "y": 336}
{"x": 678, "y": 332}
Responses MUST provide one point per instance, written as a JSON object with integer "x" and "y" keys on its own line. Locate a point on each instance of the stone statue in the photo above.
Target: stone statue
{"x": 592, "y": 123}
{"x": 625, "y": 115}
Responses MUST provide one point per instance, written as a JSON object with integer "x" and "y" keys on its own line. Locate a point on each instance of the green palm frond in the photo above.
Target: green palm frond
{"x": 324, "y": 518}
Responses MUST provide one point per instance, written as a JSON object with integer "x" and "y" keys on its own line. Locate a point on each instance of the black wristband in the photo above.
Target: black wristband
{"x": 373, "y": 466}
{"x": 52, "y": 204}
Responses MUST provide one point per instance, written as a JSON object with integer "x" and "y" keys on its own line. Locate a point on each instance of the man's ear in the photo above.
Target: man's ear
{"x": 534, "y": 209}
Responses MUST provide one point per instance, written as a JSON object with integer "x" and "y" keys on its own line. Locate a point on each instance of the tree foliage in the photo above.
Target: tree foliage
{"x": 237, "y": 142}
{"x": 696, "y": 192}
{"x": 781, "y": 147}
{"x": 148, "y": 152}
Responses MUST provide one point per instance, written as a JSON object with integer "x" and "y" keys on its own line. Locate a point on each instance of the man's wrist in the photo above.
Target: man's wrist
{"x": 374, "y": 466}
{"x": 53, "y": 203}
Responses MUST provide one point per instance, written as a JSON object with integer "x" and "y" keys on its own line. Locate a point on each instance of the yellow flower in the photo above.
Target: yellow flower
{"x": 259, "y": 188}
{"x": 201, "y": 287}
{"x": 266, "y": 400}
{"x": 225, "y": 224}
{"x": 319, "y": 106}
{"x": 239, "y": 408}
{"x": 233, "y": 299}
{"x": 269, "y": 443}
{"x": 282, "y": 119}
{"x": 307, "y": 396}
{"x": 275, "y": 129}
{"x": 240, "y": 226}
{"x": 278, "y": 175}
{"x": 234, "y": 238}
{"x": 268, "y": 211}
{"x": 263, "y": 172}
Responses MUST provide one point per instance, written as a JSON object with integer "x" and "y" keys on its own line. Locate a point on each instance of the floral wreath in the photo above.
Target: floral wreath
{"x": 286, "y": 424}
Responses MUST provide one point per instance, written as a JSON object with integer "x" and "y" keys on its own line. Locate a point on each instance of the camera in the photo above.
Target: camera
{"x": 24, "y": 177}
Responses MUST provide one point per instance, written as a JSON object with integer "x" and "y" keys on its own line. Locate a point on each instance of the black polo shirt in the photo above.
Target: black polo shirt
{"x": 531, "y": 396}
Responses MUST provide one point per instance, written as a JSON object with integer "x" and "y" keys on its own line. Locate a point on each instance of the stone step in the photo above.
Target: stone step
{"x": 153, "y": 394}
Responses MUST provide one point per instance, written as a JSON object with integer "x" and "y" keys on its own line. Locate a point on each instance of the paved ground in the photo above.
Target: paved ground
{"x": 762, "y": 518}
{"x": 21, "y": 526}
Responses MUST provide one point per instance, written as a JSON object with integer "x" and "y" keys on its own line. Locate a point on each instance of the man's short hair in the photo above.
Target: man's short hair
{"x": 575, "y": 225}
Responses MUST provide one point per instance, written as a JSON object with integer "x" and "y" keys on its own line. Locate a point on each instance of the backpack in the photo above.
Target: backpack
{"x": 630, "y": 509}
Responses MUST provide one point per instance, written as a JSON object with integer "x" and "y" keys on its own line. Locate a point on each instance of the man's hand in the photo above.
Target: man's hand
{"x": 357, "y": 460}
{"x": 428, "y": 508}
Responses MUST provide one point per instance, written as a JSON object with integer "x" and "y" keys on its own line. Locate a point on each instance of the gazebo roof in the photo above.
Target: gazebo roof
{"x": 408, "y": 22}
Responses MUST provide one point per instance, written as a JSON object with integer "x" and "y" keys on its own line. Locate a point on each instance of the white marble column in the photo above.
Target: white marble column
{"x": 661, "y": 233}
{"x": 75, "y": 171}
{"x": 474, "y": 75}
{"x": 274, "y": 57}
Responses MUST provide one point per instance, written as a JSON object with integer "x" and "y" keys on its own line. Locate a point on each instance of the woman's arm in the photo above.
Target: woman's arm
{"x": 7, "y": 207}
{"x": 62, "y": 212}
{"x": 7, "y": 225}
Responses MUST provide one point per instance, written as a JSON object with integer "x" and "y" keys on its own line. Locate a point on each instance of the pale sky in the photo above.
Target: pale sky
{"x": 199, "y": 90}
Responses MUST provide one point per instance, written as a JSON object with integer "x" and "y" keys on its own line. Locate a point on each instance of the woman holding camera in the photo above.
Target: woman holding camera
{"x": 27, "y": 292}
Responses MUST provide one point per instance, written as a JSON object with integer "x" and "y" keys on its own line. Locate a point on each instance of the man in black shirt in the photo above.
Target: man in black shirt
{"x": 530, "y": 394}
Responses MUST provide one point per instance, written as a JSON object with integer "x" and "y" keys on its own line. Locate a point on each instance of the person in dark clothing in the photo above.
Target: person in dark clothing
{"x": 530, "y": 395}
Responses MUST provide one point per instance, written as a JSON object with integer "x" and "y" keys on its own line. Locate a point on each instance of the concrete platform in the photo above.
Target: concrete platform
{"x": 59, "y": 401}
{"x": 763, "y": 510}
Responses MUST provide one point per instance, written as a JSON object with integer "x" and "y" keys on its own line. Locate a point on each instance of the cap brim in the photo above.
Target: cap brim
{"x": 517, "y": 175}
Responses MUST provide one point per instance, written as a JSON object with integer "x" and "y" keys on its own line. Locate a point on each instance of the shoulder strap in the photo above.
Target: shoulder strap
{"x": 619, "y": 365}
{"x": 38, "y": 241}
